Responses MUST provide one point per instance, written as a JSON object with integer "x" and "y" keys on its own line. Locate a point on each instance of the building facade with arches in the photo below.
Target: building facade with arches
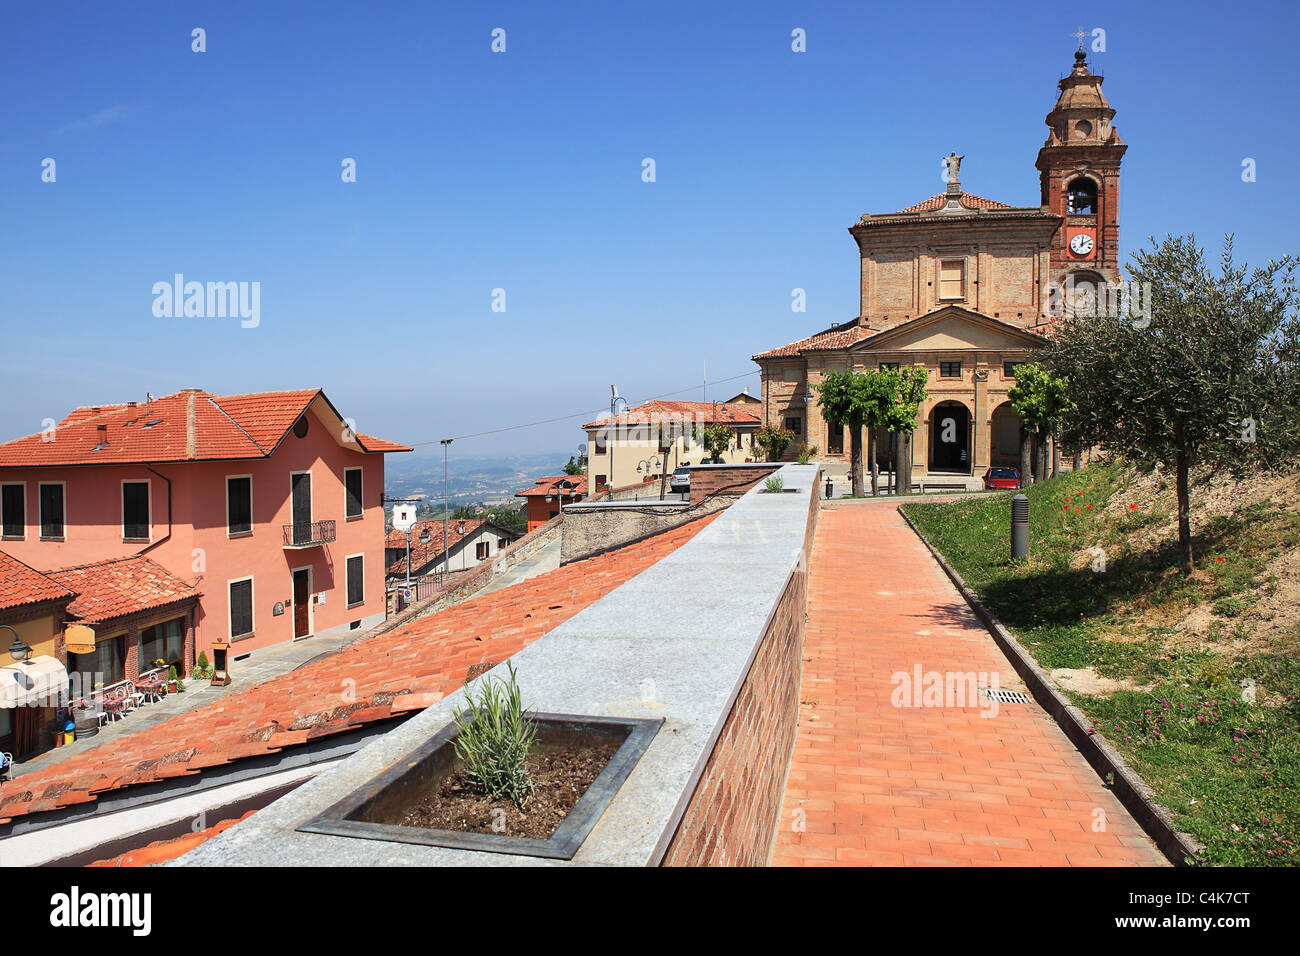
{"x": 968, "y": 288}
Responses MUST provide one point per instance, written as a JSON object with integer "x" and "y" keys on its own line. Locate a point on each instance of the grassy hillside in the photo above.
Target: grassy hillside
{"x": 1166, "y": 666}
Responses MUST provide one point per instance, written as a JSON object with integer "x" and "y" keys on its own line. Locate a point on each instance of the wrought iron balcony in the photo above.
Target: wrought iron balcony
{"x": 308, "y": 535}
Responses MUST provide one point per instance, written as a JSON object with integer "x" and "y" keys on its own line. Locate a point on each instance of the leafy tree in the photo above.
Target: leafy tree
{"x": 573, "y": 467}
{"x": 715, "y": 437}
{"x": 857, "y": 400}
{"x": 774, "y": 441}
{"x": 908, "y": 386}
{"x": 1209, "y": 377}
{"x": 1040, "y": 398}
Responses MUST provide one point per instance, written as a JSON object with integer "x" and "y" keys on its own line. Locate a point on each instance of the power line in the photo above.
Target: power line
{"x": 563, "y": 418}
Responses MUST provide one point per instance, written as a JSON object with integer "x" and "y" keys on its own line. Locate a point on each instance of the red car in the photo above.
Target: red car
{"x": 1001, "y": 478}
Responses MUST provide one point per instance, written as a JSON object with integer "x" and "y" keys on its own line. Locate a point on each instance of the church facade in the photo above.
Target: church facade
{"x": 968, "y": 288}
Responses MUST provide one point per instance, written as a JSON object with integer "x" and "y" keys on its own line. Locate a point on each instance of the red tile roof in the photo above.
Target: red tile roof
{"x": 700, "y": 412}
{"x": 967, "y": 199}
{"x": 406, "y": 669}
{"x": 422, "y": 554}
{"x": 577, "y": 486}
{"x": 109, "y": 589}
{"x": 836, "y": 337}
{"x": 189, "y": 425}
{"x": 21, "y": 585}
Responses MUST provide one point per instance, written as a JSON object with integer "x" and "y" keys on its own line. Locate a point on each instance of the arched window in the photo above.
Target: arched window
{"x": 1082, "y": 197}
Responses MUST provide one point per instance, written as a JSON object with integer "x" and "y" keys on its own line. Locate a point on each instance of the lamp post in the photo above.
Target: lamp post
{"x": 446, "y": 508}
{"x": 667, "y": 438}
{"x": 558, "y": 490}
{"x": 614, "y": 399}
{"x": 19, "y": 650}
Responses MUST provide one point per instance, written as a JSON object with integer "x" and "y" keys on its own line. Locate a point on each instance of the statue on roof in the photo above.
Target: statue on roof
{"x": 952, "y": 164}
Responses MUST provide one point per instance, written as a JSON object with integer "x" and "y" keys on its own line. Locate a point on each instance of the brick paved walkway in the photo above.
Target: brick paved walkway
{"x": 874, "y": 783}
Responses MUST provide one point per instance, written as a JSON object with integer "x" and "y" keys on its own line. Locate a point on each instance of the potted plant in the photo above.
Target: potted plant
{"x": 172, "y": 680}
{"x": 202, "y": 669}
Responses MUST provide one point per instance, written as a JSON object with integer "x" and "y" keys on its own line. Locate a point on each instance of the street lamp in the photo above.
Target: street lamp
{"x": 446, "y": 508}
{"x": 558, "y": 490}
{"x": 614, "y": 399}
{"x": 19, "y": 650}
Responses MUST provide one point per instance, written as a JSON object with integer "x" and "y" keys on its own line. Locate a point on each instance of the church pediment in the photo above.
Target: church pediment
{"x": 948, "y": 329}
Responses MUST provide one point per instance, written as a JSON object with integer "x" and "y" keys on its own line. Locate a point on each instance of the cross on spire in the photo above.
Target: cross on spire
{"x": 1079, "y": 36}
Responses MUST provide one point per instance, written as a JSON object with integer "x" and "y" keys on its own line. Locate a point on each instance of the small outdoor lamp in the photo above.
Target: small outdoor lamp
{"x": 19, "y": 650}
{"x": 830, "y": 488}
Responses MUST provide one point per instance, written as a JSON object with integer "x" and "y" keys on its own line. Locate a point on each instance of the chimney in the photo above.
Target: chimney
{"x": 460, "y": 527}
{"x": 191, "y": 430}
{"x": 101, "y": 437}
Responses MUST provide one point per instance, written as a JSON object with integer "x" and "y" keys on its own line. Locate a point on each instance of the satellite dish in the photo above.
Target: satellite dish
{"x": 582, "y": 448}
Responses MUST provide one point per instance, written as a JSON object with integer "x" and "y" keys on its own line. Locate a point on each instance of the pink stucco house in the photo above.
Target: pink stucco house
{"x": 267, "y": 505}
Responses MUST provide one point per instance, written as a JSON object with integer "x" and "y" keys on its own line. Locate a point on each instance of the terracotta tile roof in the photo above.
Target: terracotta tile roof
{"x": 421, "y": 554}
{"x": 160, "y": 851}
{"x": 21, "y": 585}
{"x": 396, "y": 672}
{"x": 967, "y": 199}
{"x": 372, "y": 444}
{"x": 546, "y": 486}
{"x": 836, "y": 337}
{"x": 657, "y": 410}
{"x": 109, "y": 589}
{"x": 188, "y": 425}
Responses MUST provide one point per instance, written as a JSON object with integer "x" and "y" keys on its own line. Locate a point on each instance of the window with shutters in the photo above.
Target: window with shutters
{"x": 352, "y": 492}
{"x": 952, "y": 279}
{"x": 52, "y": 511}
{"x": 356, "y": 580}
{"x": 135, "y": 510}
{"x": 241, "y": 608}
{"x": 239, "y": 505}
{"x": 13, "y": 511}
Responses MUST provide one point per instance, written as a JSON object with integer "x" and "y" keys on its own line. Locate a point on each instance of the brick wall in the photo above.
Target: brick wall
{"x": 731, "y": 481}
{"x": 732, "y": 817}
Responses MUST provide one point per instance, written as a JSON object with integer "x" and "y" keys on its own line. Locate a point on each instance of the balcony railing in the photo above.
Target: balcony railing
{"x": 308, "y": 535}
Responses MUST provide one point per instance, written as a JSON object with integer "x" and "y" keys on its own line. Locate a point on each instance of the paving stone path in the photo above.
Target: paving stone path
{"x": 952, "y": 782}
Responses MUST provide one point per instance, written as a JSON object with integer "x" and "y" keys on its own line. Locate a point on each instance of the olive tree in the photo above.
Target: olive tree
{"x": 1208, "y": 377}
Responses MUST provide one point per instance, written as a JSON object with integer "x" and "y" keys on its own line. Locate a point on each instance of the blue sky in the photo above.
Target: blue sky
{"x": 522, "y": 171}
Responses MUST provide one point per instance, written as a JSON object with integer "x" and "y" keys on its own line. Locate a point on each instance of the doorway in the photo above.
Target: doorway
{"x": 300, "y": 504}
{"x": 950, "y": 438}
{"x": 302, "y": 603}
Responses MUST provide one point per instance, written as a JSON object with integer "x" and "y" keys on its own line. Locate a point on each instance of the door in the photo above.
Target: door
{"x": 302, "y": 602}
{"x": 950, "y": 438}
{"x": 300, "y": 485}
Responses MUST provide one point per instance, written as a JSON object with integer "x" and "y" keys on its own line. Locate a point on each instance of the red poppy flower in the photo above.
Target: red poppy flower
{"x": 1218, "y": 559}
{"x": 1132, "y": 507}
{"x": 1087, "y": 506}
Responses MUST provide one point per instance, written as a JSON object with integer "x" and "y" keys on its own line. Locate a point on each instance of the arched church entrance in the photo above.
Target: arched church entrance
{"x": 950, "y": 449}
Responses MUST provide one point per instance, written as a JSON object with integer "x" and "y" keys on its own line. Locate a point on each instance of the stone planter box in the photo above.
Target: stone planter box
{"x": 372, "y": 811}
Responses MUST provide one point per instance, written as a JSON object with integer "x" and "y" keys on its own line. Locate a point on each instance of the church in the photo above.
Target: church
{"x": 967, "y": 288}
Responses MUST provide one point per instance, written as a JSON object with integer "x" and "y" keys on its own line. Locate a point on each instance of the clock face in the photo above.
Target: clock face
{"x": 1081, "y": 244}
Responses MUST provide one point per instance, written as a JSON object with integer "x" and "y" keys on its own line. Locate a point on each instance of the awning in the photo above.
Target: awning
{"x": 39, "y": 682}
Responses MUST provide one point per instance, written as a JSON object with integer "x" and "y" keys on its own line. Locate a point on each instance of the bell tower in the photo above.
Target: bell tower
{"x": 1079, "y": 174}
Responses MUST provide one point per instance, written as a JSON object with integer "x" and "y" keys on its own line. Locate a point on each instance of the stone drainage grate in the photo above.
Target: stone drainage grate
{"x": 1006, "y": 696}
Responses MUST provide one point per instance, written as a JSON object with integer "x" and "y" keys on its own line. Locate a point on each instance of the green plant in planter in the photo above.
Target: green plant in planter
{"x": 806, "y": 454}
{"x": 495, "y": 739}
{"x": 774, "y": 484}
{"x": 202, "y": 669}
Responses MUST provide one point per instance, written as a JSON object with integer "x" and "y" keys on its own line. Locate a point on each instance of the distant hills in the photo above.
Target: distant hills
{"x": 487, "y": 480}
